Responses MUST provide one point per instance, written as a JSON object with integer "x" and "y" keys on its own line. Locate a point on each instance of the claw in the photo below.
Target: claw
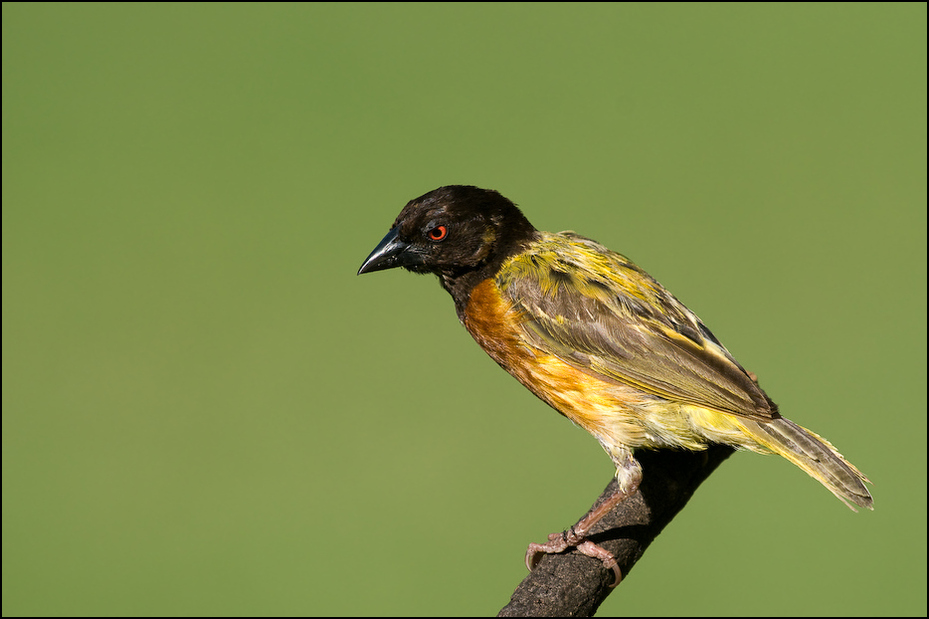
{"x": 609, "y": 561}
{"x": 532, "y": 556}
{"x": 557, "y": 542}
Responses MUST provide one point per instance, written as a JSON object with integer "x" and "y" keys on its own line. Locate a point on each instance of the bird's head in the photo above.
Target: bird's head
{"x": 452, "y": 231}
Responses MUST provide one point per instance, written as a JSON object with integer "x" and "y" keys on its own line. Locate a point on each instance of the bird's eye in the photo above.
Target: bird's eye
{"x": 438, "y": 233}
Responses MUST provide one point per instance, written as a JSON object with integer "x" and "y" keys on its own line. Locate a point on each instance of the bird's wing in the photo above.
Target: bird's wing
{"x": 599, "y": 312}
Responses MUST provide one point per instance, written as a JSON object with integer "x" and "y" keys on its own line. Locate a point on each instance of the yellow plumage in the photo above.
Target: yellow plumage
{"x": 574, "y": 305}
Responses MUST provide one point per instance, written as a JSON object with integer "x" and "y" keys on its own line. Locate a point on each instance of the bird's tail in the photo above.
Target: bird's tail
{"x": 816, "y": 456}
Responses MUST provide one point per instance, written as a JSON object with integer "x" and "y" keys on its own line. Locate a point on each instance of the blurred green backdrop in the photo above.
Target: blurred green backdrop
{"x": 206, "y": 412}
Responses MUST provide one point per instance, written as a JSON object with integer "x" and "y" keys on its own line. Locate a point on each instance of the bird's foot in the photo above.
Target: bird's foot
{"x": 629, "y": 474}
{"x": 559, "y": 542}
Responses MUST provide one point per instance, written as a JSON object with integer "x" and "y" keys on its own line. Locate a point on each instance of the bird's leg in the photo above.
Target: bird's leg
{"x": 576, "y": 536}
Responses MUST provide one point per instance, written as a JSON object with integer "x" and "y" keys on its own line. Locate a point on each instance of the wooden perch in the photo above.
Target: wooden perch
{"x": 572, "y": 585}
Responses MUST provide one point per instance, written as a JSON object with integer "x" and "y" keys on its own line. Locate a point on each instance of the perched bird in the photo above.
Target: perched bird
{"x": 598, "y": 340}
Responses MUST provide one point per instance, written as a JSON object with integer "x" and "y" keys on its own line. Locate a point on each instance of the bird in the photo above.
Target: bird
{"x": 599, "y": 340}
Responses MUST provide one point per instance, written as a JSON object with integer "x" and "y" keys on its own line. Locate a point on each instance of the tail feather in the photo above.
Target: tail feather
{"x": 816, "y": 456}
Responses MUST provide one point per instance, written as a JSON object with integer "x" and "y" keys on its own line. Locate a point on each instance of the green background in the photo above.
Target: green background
{"x": 206, "y": 412}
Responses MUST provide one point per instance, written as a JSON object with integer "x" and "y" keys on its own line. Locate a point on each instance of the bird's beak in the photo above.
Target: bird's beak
{"x": 390, "y": 253}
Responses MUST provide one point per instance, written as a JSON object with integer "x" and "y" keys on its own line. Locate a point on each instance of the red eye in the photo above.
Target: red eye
{"x": 438, "y": 233}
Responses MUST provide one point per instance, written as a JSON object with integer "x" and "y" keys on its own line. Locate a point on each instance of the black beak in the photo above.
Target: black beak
{"x": 390, "y": 253}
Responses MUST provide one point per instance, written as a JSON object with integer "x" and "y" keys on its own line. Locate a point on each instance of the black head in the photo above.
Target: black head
{"x": 456, "y": 232}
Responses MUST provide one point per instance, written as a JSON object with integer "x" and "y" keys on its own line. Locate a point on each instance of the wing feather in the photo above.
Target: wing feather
{"x": 597, "y": 311}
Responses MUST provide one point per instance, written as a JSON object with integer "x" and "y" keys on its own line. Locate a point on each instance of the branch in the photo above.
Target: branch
{"x": 573, "y": 585}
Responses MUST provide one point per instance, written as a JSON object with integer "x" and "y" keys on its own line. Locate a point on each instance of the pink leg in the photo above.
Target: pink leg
{"x": 576, "y": 536}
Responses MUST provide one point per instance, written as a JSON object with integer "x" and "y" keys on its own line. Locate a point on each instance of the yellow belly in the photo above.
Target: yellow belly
{"x": 620, "y": 416}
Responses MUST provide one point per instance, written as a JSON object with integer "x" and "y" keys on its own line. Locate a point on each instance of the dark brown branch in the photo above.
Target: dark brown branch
{"x": 572, "y": 585}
